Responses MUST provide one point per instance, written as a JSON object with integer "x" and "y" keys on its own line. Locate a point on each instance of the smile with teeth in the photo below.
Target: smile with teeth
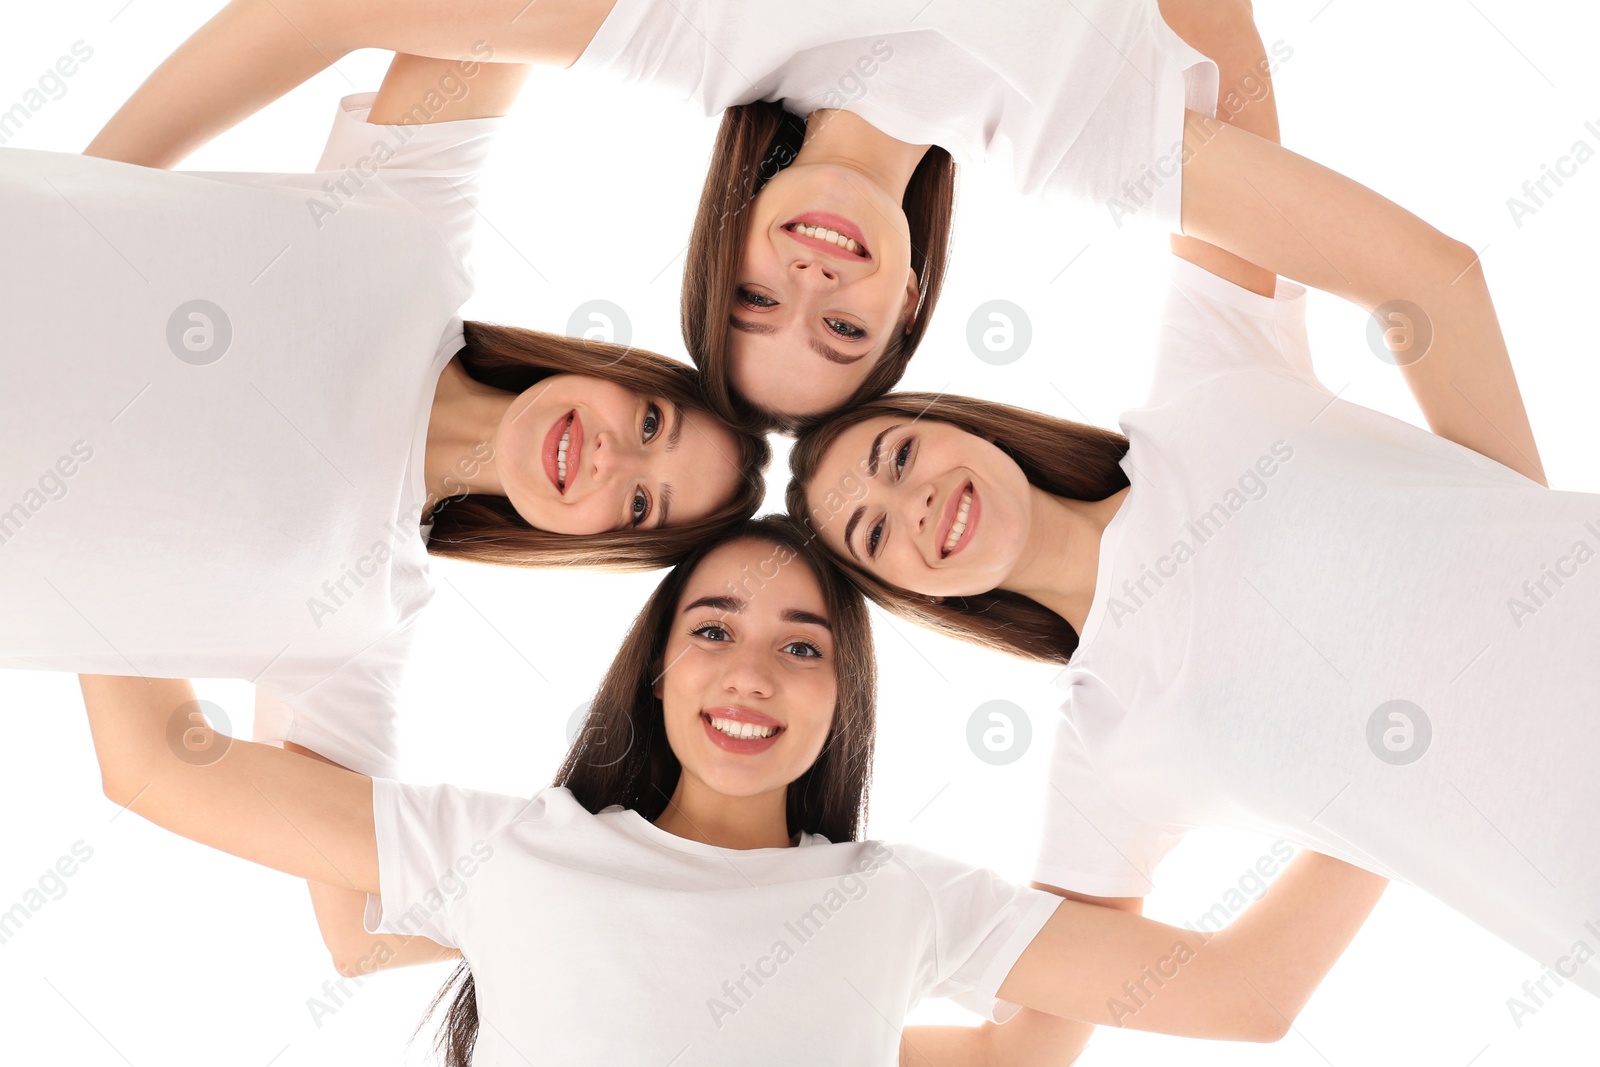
{"x": 958, "y": 527}
{"x": 561, "y": 456}
{"x": 822, "y": 233}
{"x": 742, "y": 730}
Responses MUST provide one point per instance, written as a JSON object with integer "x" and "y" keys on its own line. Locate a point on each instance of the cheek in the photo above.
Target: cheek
{"x": 821, "y": 693}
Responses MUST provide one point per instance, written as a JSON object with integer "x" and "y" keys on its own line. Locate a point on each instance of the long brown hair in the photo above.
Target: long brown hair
{"x": 755, "y": 142}
{"x": 1064, "y": 458}
{"x": 829, "y": 799}
{"x": 487, "y": 529}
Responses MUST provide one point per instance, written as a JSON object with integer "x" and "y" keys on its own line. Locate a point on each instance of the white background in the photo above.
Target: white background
{"x": 161, "y": 952}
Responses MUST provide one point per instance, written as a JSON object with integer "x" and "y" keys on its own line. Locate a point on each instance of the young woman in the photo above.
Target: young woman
{"x": 1278, "y": 611}
{"x": 711, "y": 886}
{"x": 786, "y": 319}
{"x": 242, "y": 410}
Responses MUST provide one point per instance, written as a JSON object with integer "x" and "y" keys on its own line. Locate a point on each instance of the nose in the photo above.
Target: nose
{"x": 917, "y": 508}
{"x": 747, "y": 671}
{"x": 607, "y": 457}
{"x": 916, "y": 514}
{"x": 813, "y": 273}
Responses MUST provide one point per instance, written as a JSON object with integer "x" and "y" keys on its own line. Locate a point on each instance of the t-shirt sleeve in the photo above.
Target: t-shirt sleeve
{"x": 1210, "y": 327}
{"x": 434, "y": 165}
{"x": 434, "y": 842}
{"x": 1091, "y": 843}
{"x": 981, "y": 925}
{"x": 346, "y": 711}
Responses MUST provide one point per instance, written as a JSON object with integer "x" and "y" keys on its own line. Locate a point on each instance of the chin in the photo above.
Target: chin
{"x": 733, "y": 783}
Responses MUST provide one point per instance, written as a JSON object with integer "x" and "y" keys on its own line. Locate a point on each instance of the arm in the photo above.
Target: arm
{"x": 260, "y": 803}
{"x": 1224, "y": 31}
{"x": 253, "y": 51}
{"x": 1274, "y": 208}
{"x": 341, "y": 916}
{"x": 1246, "y": 982}
{"x": 1030, "y": 1039}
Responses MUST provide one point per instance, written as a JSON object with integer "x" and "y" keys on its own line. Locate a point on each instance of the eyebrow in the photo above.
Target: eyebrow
{"x": 677, "y": 427}
{"x": 872, "y": 472}
{"x": 850, "y": 528}
{"x": 821, "y": 348}
{"x": 734, "y": 605}
{"x": 877, "y": 443}
{"x": 666, "y": 504}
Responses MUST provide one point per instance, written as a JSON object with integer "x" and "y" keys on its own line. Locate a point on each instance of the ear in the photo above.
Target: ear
{"x": 913, "y": 294}
{"x": 656, "y": 671}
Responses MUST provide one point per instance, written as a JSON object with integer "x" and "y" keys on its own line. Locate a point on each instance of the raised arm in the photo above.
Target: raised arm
{"x": 160, "y": 758}
{"x": 253, "y": 51}
{"x": 1246, "y": 982}
{"x": 341, "y": 916}
{"x": 1029, "y": 1039}
{"x": 1296, "y": 218}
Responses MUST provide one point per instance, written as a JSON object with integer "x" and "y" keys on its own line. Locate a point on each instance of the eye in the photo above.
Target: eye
{"x": 652, "y": 421}
{"x": 641, "y": 506}
{"x": 874, "y": 535}
{"x": 849, "y": 331}
{"x": 705, "y": 630}
{"x": 752, "y": 299}
{"x": 902, "y": 454}
{"x": 810, "y": 651}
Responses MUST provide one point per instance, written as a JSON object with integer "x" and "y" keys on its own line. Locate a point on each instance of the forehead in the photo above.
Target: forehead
{"x": 707, "y": 462}
{"x": 781, "y": 373}
{"x": 769, "y": 578}
{"x": 845, "y": 461}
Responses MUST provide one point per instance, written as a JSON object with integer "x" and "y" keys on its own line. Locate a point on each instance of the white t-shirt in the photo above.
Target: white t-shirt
{"x": 604, "y": 939}
{"x": 1084, "y": 98}
{"x": 1285, "y": 565}
{"x": 231, "y": 489}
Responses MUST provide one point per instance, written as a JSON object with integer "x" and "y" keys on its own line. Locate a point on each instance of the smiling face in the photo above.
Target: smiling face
{"x": 824, "y": 283}
{"x": 749, "y": 687}
{"x": 583, "y": 455}
{"x": 922, "y": 506}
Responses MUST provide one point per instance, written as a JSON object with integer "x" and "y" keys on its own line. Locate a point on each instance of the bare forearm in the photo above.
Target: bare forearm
{"x": 245, "y": 57}
{"x": 1284, "y": 945}
{"x": 1224, "y": 31}
{"x": 340, "y": 917}
{"x": 1302, "y": 220}
{"x": 160, "y": 758}
{"x": 1463, "y": 380}
{"x": 1031, "y": 1039}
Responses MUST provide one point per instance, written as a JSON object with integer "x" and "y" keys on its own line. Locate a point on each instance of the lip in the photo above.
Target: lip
{"x": 552, "y": 446}
{"x": 950, "y": 510}
{"x": 747, "y": 746}
{"x": 831, "y": 222}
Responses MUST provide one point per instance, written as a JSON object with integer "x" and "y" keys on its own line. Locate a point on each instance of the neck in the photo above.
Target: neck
{"x": 844, "y": 139}
{"x": 1061, "y": 559}
{"x": 465, "y": 418}
{"x": 698, "y": 814}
